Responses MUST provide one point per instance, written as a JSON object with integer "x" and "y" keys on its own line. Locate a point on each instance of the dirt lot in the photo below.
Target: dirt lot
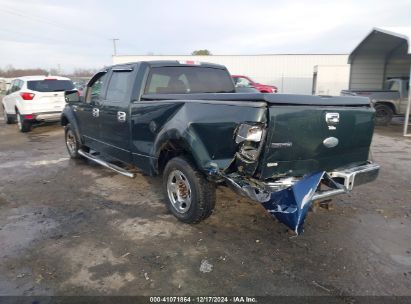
{"x": 71, "y": 227}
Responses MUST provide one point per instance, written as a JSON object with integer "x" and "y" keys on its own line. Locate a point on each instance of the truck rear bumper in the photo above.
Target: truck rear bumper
{"x": 289, "y": 199}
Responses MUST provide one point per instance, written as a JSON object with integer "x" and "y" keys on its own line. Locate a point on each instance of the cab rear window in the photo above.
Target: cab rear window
{"x": 184, "y": 80}
{"x": 50, "y": 85}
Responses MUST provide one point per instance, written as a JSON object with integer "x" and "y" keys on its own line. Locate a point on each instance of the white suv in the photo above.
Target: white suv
{"x": 34, "y": 99}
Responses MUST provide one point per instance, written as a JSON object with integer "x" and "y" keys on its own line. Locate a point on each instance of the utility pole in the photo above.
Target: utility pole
{"x": 114, "y": 45}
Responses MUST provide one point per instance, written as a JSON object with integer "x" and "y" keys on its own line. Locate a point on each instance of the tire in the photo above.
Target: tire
{"x": 72, "y": 142}
{"x": 8, "y": 119}
{"x": 383, "y": 114}
{"x": 190, "y": 197}
{"x": 23, "y": 124}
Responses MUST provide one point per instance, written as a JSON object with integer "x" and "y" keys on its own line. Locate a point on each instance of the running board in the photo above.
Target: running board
{"x": 106, "y": 164}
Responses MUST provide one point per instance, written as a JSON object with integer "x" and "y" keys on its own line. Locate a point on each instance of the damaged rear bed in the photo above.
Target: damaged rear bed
{"x": 309, "y": 148}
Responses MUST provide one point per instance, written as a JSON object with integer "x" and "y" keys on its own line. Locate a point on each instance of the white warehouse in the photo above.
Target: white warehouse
{"x": 290, "y": 73}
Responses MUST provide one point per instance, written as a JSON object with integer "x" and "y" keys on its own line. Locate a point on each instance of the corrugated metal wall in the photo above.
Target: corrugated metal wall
{"x": 367, "y": 72}
{"x": 378, "y": 57}
{"x": 398, "y": 65}
{"x": 290, "y": 73}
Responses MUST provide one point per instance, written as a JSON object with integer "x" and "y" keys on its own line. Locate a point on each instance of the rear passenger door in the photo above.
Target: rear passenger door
{"x": 115, "y": 114}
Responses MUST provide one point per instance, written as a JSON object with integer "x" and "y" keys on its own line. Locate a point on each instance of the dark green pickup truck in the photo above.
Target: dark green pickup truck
{"x": 184, "y": 120}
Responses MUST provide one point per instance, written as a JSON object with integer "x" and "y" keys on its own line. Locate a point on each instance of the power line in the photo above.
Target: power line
{"x": 80, "y": 31}
{"x": 18, "y": 36}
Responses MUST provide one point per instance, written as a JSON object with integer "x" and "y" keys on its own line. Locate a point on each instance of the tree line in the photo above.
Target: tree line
{"x": 11, "y": 72}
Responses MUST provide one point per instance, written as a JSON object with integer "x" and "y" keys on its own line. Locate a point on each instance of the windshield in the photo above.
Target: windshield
{"x": 183, "y": 80}
{"x": 50, "y": 85}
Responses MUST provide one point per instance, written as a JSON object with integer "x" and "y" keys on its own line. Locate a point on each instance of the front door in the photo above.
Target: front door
{"x": 88, "y": 111}
{"x": 9, "y": 101}
{"x": 115, "y": 114}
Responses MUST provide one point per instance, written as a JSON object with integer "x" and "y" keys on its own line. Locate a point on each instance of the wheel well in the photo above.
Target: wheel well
{"x": 169, "y": 150}
{"x": 64, "y": 121}
{"x": 388, "y": 104}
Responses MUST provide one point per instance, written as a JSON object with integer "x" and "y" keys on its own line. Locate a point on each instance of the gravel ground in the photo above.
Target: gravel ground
{"x": 71, "y": 227}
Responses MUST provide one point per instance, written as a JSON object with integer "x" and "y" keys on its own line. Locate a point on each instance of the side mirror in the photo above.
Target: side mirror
{"x": 72, "y": 96}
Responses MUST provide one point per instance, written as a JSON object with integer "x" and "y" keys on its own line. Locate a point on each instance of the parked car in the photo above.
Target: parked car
{"x": 245, "y": 81}
{"x": 35, "y": 99}
{"x": 185, "y": 121}
{"x": 246, "y": 90}
{"x": 393, "y": 100}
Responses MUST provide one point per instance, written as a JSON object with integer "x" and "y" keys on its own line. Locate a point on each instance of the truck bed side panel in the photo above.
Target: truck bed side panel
{"x": 205, "y": 129}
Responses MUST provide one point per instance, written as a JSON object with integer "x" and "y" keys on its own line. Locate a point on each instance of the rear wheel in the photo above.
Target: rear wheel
{"x": 383, "y": 114}
{"x": 23, "y": 124}
{"x": 190, "y": 197}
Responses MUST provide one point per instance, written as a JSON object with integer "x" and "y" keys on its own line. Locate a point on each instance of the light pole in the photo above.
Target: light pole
{"x": 114, "y": 45}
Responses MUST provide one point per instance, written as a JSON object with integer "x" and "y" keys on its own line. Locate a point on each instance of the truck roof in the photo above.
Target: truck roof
{"x": 164, "y": 63}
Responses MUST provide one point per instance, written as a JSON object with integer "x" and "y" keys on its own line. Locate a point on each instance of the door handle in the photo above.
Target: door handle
{"x": 121, "y": 116}
{"x": 95, "y": 112}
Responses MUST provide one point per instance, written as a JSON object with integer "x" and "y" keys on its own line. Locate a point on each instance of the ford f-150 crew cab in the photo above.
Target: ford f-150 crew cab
{"x": 184, "y": 120}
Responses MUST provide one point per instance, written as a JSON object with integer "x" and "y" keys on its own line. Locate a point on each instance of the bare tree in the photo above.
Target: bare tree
{"x": 11, "y": 72}
{"x": 204, "y": 52}
{"x": 80, "y": 72}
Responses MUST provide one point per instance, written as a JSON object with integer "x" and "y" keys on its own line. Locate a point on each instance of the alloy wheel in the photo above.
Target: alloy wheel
{"x": 71, "y": 142}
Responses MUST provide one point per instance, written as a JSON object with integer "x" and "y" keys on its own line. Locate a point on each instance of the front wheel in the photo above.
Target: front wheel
{"x": 72, "y": 142}
{"x": 190, "y": 197}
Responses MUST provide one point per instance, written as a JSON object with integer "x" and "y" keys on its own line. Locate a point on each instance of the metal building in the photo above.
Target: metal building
{"x": 384, "y": 53}
{"x": 291, "y": 73}
{"x": 330, "y": 79}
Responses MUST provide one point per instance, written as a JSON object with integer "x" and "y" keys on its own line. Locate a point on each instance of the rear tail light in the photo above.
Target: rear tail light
{"x": 249, "y": 137}
{"x": 29, "y": 116}
{"x": 27, "y": 96}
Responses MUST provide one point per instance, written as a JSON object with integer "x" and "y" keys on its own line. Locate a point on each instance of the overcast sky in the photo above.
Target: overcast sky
{"x": 74, "y": 34}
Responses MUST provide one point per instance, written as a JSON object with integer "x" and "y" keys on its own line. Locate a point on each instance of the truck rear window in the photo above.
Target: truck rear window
{"x": 184, "y": 80}
{"x": 50, "y": 85}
